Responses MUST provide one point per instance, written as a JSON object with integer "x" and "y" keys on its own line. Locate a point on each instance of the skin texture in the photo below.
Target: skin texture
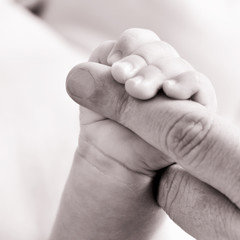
{"x": 200, "y": 192}
{"x": 148, "y": 65}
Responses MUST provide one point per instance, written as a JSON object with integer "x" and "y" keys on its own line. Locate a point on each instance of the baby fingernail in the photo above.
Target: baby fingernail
{"x": 114, "y": 57}
{"x": 136, "y": 80}
{"x": 125, "y": 66}
{"x": 171, "y": 82}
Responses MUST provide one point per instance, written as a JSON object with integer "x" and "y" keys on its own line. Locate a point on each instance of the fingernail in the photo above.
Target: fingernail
{"x": 80, "y": 83}
{"x": 136, "y": 80}
{"x": 127, "y": 67}
{"x": 114, "y": 57}
{"x": 121, "y": 71}
{"x": 171, "y": 82}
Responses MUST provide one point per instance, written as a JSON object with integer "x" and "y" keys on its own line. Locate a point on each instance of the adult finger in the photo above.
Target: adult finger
{"x": 200, "y": 142}
{"x": 196, "y": 207}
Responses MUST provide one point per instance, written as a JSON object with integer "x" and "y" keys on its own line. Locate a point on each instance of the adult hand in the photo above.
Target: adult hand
{"x": 204, "y": 198}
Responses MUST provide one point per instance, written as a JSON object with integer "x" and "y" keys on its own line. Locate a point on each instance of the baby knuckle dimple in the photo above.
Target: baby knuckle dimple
{"x": 186, "y": 136}
{"x": 173, "y": 66}
{"x": 153, "y": 51}
{"x": 197, "y": 78}
{"x": 169, "y": 48}
{"x": 132, "y": 38}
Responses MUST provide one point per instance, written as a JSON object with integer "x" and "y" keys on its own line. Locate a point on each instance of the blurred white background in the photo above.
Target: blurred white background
{"x": 39, "y": 122}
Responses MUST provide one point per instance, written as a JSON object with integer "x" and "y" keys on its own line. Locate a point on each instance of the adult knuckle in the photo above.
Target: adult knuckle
{"x": 236, "y": 199}
{"x": 172, "y": 186}
{"x": 233, "y": 224}
{"x": 123, "y": 103}
{"x": 187, "y": 135}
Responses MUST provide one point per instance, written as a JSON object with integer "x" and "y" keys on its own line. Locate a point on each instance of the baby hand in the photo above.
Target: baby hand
{"x": 145, "y": 64}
